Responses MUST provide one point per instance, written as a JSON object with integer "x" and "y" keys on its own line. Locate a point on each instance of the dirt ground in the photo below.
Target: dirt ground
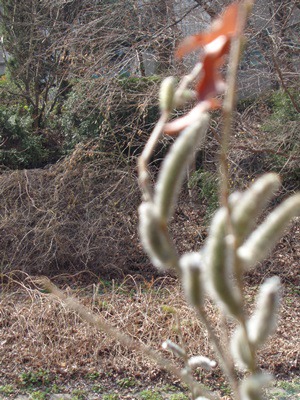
{"x": 46, "y": 348}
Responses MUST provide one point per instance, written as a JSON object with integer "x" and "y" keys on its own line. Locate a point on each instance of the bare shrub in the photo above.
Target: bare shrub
{"x": 75, "y": 215}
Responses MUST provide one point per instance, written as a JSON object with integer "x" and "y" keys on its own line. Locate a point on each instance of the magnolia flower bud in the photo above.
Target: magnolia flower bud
{"x": 263, "y": 321}
{"x": 166, "y": 94}
{"x": 251, "y": 388}
{"x": 262, "y": 240}
{"x": 252, "y": 202}
{"x": 201, "y": 362}
{"x": 240, "y": 349}
{"x": 174, "y": 348}
{"x": 154, "y": 238}
{"x": 174, "y": 166}
{"x": 216, "y": 265}
{"x": 233, "y": 199}
{"x": 191, "y": 266}
{"x": 183, "y": 97}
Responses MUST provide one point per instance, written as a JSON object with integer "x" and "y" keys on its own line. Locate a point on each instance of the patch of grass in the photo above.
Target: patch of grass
{"x": 208, "y": 186}
{"x": 282, "y": 107}
{"x": 157, "y": 303}
{"x": 150, "y": 395}
{"x": 97, "y": 388}
{"x": 167, "y": 309}
{"x": 79, "y": 394}
{"x": 127, "y": 382}
{"x": 38, "y": 395}
{"x": 7, "y": 390}
{"x": 295, "y": 289}
{"x": 54, "y": 389}
{"x": 225, "y": 389}
{"x": 33, "y": 379}
{"x": 92, "y": 376}
{"x": 104, "y": 285}
{"x": 286, "y": 390}
{"x": 110, "y": 397}
{"x": 178, "y": 396}
{"x": 169, "y": 388}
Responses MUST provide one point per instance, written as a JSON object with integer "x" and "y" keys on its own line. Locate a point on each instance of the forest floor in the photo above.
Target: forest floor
{"x": 82, "y": 217}
{"x": 47, "y": 351}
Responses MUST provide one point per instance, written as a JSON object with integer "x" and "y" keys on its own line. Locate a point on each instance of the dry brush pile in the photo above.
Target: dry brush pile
{"x": 80, "y": 214}
{"x": 75, "y": 215}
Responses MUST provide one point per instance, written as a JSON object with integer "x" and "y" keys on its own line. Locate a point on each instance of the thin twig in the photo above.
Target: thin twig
{"x": 226, "y": 363}
{"x": 144, "y": 177}
{"x": 125, "y": 340}
{"x": 228, "y": 111}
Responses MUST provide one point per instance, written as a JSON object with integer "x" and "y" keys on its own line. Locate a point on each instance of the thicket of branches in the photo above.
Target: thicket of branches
{"x": 88, "y": 72}
{"x": 77, "y": 215}
{"x": 53, "y": 48}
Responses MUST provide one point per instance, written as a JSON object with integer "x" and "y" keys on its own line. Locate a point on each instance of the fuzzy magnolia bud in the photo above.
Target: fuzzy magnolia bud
{"x": 174, "y": 348}
{"x": 233, "y": 199}
{"x": 191, "y": 266}
{"x": 183, "y": 97}
{"x": 154, "y": 238}
{"x": 216, "y": 265}
{"x": 166, "y": 94}
{"x": 263, "y": 321}
{"x": 252, "y": 387}
{"x": 262, "y": 240}
{"x": 201, "y": 362}
{"x": 174, "y": 166}
{"x": 240, "y": 349}
{"x": 252, "y": 202}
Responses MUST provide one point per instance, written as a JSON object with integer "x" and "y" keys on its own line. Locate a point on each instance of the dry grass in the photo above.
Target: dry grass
{"x": 39, "y": 333}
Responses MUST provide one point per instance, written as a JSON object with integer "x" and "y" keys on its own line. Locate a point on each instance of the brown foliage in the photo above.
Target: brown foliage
{"x": 75, "y": 215}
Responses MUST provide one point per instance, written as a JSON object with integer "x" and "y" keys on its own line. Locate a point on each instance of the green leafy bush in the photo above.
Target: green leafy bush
{"x": 283, "y": 122}
{"x": 112, "y": 117}
{"x": 208, "y": 184}
{"x": 21, "y": 147}
{"x": 282, "y": 128}
{"x": 282, "y": 107}
{"x": 79, "y": 119}
{"x": 106, "y": 112}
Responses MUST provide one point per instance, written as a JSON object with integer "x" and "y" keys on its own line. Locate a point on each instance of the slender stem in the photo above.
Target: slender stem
{"x": 230, "y": 100}
{"x": 284, "y": 86}
{"x": 228, "y": 111}
{"x": 144, "y": 177}
{"x": 226, "y": 362}
{"x": 125, "y": 340}
{"x": 186, "y": 80}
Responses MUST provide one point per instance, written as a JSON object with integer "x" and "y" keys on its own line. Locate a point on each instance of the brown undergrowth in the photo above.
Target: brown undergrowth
{"x": 39, "y": 333}
{"x": 79, "y": 214}
{"x": 79, "y": 217}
